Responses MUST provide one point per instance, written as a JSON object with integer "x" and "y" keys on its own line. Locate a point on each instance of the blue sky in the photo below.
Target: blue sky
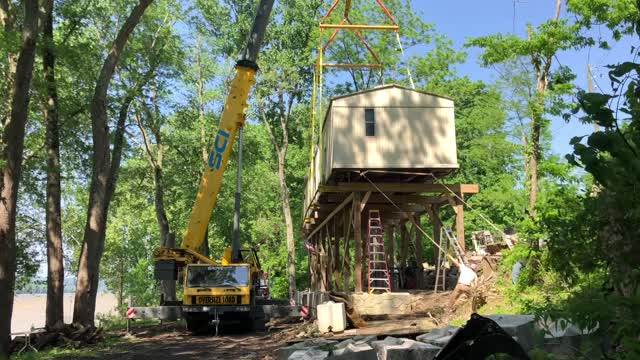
{"x": 460, "y": 19}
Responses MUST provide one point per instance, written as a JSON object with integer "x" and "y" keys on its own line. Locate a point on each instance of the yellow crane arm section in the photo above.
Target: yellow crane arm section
{"x": 232, "y": 119}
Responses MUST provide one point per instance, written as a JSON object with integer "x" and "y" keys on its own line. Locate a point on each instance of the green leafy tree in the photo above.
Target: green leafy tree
{"x": 537, "y": 51}
{"x": 12, "y": 143}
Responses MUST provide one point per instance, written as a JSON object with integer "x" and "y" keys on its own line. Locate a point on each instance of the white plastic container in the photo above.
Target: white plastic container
{"x": 331, "y": 317}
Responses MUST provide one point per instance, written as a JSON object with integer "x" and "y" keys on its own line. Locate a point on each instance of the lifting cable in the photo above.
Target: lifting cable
{"x": 504, "y": 236}
{"x": 413, "y": 86}
{"x": 413, "y": 221}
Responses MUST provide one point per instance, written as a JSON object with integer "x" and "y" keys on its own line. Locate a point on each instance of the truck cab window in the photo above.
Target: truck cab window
{"x": 369, "y": 122}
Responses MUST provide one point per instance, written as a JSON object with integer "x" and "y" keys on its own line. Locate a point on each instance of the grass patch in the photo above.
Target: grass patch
{"x": 109, "y": 342}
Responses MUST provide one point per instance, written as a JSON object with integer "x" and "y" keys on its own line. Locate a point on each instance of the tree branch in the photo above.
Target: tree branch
{"x": 263, "y": 117}
{"x": 147, "y": 145}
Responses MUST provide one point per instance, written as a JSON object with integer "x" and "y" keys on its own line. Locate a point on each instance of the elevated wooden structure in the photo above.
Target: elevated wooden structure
{"x": 387, "y": 149}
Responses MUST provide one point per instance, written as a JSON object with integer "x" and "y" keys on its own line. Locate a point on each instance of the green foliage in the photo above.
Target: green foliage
{"x": 588, "y": 272}
{"x": 621, "y": 16}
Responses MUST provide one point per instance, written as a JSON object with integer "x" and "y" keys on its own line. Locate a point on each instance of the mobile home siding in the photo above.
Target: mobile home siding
{"x": 413, "y": 130}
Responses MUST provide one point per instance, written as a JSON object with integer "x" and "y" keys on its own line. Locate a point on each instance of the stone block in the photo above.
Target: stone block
{"x": 354, "y": 351}
{"x": 365, "y": 339}
{"x": 520, "y": 327}
{"x": 286, "y": 352}
{"x": 309, "y": 354}
{"x": 383, "y": 304}
{"x": 565, "y": 339}
{"x": 437, "y": 336}
{"x": 404, "y": 349}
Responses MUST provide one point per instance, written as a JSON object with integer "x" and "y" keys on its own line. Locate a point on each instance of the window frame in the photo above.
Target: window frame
{"x": 369, "y": 122}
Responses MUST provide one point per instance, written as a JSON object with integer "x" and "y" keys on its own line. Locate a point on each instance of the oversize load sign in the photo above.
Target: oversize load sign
{"x": 216, "y": 300}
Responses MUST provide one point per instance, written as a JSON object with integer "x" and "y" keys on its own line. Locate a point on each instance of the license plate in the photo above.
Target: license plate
{"x": 215, "y": 300}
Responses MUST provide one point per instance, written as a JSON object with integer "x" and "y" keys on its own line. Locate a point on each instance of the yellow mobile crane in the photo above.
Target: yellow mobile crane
{"x": 229, "y": 286}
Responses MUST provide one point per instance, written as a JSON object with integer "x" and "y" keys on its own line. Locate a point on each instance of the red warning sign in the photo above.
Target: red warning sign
{"x": 304, "y": 311}
{"x": 130, "y": 312}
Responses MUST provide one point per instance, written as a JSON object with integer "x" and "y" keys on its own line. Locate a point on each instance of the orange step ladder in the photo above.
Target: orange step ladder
{"x": 378, "y": 278}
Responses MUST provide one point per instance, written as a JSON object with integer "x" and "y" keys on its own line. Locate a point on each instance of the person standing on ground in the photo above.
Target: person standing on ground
{"x": 466, "y": 281}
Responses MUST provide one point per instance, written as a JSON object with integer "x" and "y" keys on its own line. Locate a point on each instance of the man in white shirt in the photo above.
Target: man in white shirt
{"x": 466, "y": 281}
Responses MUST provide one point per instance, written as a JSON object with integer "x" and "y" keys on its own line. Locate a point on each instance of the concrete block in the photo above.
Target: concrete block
{"x": 354, "y": 351}
{"x": 344, "y": 344}
{"x": 565, "y": 339}
{"x": 438, "y": 337}
{"x": 368, "y": 339}
{"x": 404, "y": 349}
{"x": 309, "y": 354}
{"x": 286, "y": 352}
{"x": 520, "y": 327}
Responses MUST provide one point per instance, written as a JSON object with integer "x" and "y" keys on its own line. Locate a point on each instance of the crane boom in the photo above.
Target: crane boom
{"x": 231, "y": 120}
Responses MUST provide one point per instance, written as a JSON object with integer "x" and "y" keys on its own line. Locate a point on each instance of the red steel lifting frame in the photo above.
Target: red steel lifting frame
{"x": 347, "y": 24}
{"x": 319, "y": 64}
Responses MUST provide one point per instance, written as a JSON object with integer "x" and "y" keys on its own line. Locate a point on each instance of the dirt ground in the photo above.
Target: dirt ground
{"x": 174, "y": 342}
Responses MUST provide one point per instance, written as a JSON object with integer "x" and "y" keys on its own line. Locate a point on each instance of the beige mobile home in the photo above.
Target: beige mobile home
{"x": 392, "y": 132}
{"x": 389, "y": 128}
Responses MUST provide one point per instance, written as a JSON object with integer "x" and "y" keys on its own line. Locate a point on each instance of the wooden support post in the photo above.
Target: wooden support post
{"x": 323, "y": 260}
{"x": 391, "y": 239}
{"x": 319, "y": 277}
{"x": 418, "y": 247}
{"x": 336, "y": 262}
{"x": 329, "y": 248}
{"x": 459, "y": 208}
{"x": 392, "y": 246}
{"x": 346, "y": 269}
{"x": 404, "y": 244}
{"x": 365, "y": 235}
{"x": 436, "y": 224}
{"x": 357, "y": 237}
{"x": 312, "y": 269}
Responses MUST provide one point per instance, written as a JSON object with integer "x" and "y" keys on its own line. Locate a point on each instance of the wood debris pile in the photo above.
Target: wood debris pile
{"x": 72, "y": 335}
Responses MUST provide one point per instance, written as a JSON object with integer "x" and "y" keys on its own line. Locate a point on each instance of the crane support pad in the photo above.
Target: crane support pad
{"x": 168, "y": 313}
{"x": 173, "y": 313}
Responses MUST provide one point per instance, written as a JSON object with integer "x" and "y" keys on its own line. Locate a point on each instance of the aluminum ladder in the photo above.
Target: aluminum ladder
{"x": 378, "y": 279}
{"x": 447, "y": 239}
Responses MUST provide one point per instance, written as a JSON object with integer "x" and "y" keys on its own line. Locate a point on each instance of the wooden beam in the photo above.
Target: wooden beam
{"x": 335, "y": 211}
{"x": 392, "y": 209}
{"x": 401, "y": 187}
{"x": 364, "y": 200}
{"x": 377, "y": 198}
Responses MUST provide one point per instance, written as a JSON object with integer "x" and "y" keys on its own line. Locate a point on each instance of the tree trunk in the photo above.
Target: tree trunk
{"x": 167, "y": 239}
{"x": 103, "y": 176}
{"x": 288, "y": 222}
{"x": 11, "y": 156}
{"x": 542, "y": 76}
{"x": 55, "y": 265}
{"x": 6, "y": 21}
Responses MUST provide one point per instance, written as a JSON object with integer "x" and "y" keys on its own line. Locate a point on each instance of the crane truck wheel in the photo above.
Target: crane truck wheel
{"x": 197, "y": 324}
